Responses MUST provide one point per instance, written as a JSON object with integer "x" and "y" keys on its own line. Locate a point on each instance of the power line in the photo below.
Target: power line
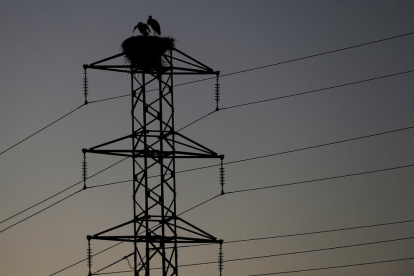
{"x": 44, "y": 209}
{"x": 57, "y": 120}
{"x": 192, "y": 208}
{"x": 320, "y": 179}
{"x": 300, "y": 252}
{"x": 278, "y": 63}
{"x": 275, "y": 255}
{"x": 322, "y": 145}
{"x": 320, "y": 89}
{"x": 256, "y": 102}
{"x": 313, "y": 232}
{"x": 300, "y": 149}
{"x": 265, "y": 238}
{"x": 332, "y": 267}
{"x": 77, "y": 183}
{"x": 298, "y": 94}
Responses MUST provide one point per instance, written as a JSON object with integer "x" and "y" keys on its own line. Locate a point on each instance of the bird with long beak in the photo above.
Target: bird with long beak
{"x": 142, "y": 28}
{"x": 154, "y": 25}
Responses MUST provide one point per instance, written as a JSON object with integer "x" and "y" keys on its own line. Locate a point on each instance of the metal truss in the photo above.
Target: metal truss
{"x": 154, "y": 146}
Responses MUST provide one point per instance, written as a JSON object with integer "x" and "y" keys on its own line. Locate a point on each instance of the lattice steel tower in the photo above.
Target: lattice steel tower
{"x": 154, "y": 147}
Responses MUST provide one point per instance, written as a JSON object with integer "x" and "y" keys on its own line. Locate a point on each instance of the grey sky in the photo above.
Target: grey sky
{"x": 44, "y": 45}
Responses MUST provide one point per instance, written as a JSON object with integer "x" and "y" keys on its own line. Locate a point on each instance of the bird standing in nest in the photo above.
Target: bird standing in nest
{"x": 143, "y": 28}
{"x": 154, "y": 25}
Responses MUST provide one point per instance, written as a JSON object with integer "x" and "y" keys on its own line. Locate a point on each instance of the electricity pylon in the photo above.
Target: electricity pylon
{"x": 154, "y": 146}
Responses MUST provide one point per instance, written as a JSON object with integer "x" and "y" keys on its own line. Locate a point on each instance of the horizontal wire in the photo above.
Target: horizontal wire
{"x": 44, "y": 209}
{"x": 275, "y": 153}
{"x": 395, "y": 74}
{"x": 298, "y": 94}
{"x": 275, "y": 64}
{"x": 333, "y": 267}
{"x": 280, "y": 254}
{"x": 108, "y": 184}
{"x": 262, "y": 238}
{"x": 311, "y": 233}
{"x": 86, "y": 259}
{"x": 77, "y": 183}
{"x": 199, "y": 119}
{"x": 55, "y": 121}
{"x": 319, "y": 90}
{"x": 322, "y": 145}
{"x": 225, "y": 107}
{"x": 320, "y": 179}
{"x": 299, "y": 252}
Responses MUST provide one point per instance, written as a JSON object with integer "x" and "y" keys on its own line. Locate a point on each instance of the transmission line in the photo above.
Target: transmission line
{"x": 300, "y": 252}
{"x": 270, "y": 256}
{"x": 298, "y": 94}
{"x": 44, "y": 209}
{"x": 297, "y": 150}
{"x": 263, "y": 238}
{"x": 55, "y": 121}
{"x": 320, "y": 89}
{"x": 275, "y": 64}
{"x": 77, "y": 183}
{"x": 320, "y": 179}
{"x": 333, "y": 267}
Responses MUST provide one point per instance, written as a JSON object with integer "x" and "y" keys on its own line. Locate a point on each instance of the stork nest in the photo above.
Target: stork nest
{"x": 145, "y": 52}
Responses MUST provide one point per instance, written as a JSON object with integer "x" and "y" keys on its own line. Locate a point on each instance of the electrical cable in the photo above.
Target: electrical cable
{"x": 302, "y": 252}
{"x": 271, "y": 99}
{"x": 77, "y": 183}
{"x": 321, "y": 145}
{"x": 265, "y": 238}
{"x": 283, "y": 254}
{"x": 276, "y": 64}
{"x": 192, "y": 208}
{"x": 298, "y": 94}
{"x": 44, "y": 209}
{"x": 199, "y": 119}
{"x": 311, "y": 233}
{"x": 320, "y": 179}
{"x": 295, "y": 150}
{"x": 332, "y": 267}
{"x": 319, "y": 90}
{"x": 55, "y": 121}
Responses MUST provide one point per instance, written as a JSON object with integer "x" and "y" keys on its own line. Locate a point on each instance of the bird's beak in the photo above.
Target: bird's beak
{"x": 134, "y": 29}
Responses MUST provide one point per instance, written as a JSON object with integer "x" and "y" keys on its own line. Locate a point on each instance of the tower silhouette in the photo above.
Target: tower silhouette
{"x": 154, "y": 147}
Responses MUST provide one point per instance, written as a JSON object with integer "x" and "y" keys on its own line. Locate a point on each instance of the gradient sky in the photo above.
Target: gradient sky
{"x": 44, "y": 45}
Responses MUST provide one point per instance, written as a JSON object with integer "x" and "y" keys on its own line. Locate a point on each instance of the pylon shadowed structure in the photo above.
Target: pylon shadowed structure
{"x": 154, "y": 146}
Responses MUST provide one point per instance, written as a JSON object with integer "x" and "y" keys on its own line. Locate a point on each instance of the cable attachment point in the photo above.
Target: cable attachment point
{"x": 84, "y": 169}
{"x": 222, "y": 174}
{"x": 85, "y": 86}
{"x": 220, "y": 261}
{"x": 89, "y": 255}
{"x": 217, "y": 91}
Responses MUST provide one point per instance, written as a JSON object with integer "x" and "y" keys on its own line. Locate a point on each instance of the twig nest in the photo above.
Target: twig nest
{"x": 145, "y": 52}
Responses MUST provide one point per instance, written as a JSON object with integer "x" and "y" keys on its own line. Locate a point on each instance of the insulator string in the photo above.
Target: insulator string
{"x": 84, "y": 169}
{"x": 85, "y": 86}
{"x": 217, "y": 93}
{"x": 89, "y": 254}
{"x": 220, "y": 263}
{"x": 222, "y": 174}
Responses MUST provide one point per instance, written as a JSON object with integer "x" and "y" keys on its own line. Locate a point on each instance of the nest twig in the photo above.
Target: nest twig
{"x": 145, "y": 52}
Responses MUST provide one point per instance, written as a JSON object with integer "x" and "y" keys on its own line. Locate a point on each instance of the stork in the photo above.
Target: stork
{"x": 154, "y": 25}
{"x": 143, "y": 28}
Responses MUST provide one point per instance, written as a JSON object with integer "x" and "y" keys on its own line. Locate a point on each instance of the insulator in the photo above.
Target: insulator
{"x": 222, "y": 175}
{"x": 217, "y": 93}
{"x": 84, "y": 170}
{"x": 85, "y": 87}
{"x": 220, "y": 260}
{"x": 89, "y": 256}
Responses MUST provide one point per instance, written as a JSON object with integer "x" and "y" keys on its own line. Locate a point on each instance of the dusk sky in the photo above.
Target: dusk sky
{"x": 43, "y": 47}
